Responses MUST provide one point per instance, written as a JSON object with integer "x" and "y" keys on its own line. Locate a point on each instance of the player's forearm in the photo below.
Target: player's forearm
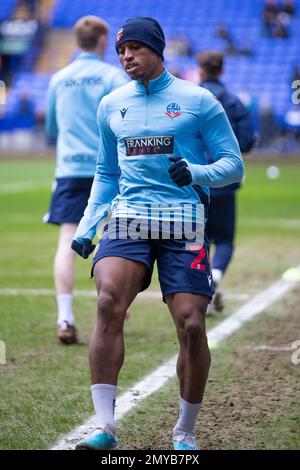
{"x": 225, "y": 171}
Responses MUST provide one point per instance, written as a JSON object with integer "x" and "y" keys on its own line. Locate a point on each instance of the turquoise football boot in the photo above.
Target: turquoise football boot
{"x": 99, "y": 439}
{"x": 184, "y": 441}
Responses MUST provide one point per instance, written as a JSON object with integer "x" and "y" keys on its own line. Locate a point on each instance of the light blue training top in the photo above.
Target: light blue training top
{"x": 73, "y": 98}
{"x": 139, "y": 130}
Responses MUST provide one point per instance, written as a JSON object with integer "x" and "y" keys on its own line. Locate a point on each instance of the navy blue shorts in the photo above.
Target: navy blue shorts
{"x": 69, "y": 200}
{"x": 183, "y": 265}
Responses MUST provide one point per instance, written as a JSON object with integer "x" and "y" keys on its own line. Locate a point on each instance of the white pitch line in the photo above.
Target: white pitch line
{"x": 42, "y": 292}
{"x": 23, "y": 186}
{"x": 267, "y": 347}
{"x": 93, "y": 294}
{"x": 258, "y": 304}
{"x": 289, "y": 223}
{"x": 157, "y": 379}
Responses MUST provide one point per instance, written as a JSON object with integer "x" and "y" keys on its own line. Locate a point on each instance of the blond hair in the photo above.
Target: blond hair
{"x": 88, "y": 29}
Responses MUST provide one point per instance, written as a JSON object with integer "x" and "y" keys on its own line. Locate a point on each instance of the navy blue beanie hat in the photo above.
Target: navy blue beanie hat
{"x": 143, "y": 29}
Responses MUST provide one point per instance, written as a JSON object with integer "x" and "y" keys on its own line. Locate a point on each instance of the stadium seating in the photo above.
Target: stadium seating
{"x": 6, "y": 8}
{"x": 265, "y": 74}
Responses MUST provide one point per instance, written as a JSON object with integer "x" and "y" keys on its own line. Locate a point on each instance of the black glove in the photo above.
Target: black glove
{"x": 84, "y": 249}
{"x": 179, "y": 171}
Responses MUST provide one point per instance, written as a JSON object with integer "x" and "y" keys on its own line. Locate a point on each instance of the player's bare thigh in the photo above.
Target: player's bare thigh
{"x": 119, "y": 278}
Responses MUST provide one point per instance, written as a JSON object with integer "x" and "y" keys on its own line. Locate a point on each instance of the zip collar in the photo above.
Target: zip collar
{"x": 157, "y": 84}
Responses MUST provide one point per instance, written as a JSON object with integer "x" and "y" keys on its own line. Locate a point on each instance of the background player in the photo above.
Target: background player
{"x": 73, "y": 98}
{"x": 220, "y": 227}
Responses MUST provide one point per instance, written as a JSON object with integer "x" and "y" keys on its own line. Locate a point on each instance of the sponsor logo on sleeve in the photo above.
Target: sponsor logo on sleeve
{"x": 149, "y": 145}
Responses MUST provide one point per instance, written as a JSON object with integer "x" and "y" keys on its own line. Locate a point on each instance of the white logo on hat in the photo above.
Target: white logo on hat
{"x": 119, "y": 34}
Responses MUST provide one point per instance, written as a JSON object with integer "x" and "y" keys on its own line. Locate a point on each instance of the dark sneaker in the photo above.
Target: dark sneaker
{"x": 67, "y": 334}
{"x": 218, "y": 300}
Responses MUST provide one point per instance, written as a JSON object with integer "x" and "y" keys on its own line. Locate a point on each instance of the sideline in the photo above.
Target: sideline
{"x": 93, "y": 294}
{"x": 24, "y": 186}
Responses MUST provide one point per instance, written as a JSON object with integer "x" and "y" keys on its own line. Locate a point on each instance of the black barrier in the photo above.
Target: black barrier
{"x": 136, "y": 459}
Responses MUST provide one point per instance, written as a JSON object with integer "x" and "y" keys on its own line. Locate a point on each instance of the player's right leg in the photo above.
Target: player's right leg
{"x": 122, "y": 268}
{"x": 118, "y": 281}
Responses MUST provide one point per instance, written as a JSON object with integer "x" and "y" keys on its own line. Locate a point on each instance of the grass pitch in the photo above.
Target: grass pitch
{"x": 44, "y": 387}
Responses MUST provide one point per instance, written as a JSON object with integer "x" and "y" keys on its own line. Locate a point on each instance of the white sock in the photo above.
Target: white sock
{"x": 187, "y": 417}
{"x": 104, "y": 399}
{"x": 217, "y": 275}
{"x": 65, "y": 310}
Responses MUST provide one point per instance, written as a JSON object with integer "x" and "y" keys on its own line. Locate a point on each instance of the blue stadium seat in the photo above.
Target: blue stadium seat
{"x": 267, "y": 72}
{"x": 6, "y": 8}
